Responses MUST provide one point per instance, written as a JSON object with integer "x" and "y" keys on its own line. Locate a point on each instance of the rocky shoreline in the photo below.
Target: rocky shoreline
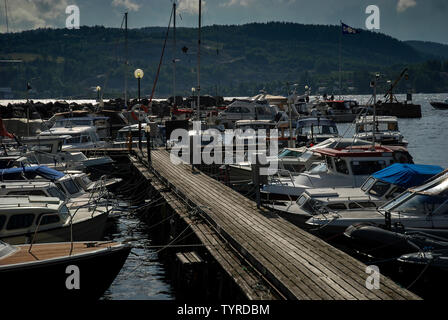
{"x": 40, "y": 110}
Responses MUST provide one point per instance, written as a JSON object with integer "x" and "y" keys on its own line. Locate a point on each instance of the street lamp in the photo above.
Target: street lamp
{"x": 138, "y": 74}
{"x": 98, "y": 89}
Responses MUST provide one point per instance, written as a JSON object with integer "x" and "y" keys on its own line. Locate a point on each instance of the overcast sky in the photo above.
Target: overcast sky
{"x": 404, "y": 19}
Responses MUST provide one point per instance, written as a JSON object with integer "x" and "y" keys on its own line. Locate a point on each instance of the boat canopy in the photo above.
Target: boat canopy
{"x": 407, "y": 175}
{"x": 30, "y": 173}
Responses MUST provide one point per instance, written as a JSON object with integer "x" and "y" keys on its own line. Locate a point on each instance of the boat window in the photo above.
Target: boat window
{"x": 25, "y": 192}
{"x": 367, "y": 184}
{"x": 341, "y": 165}
{"x": 2, "y": 221}
{"x": 43, "y": 148}
{"x": 337, "y": 206}
{"x": 71, "y": 187}
{"x": 301, "y": 200}
{"x": 55, "y": 192}
{"x": 73, "y": 139}
{"x": 233, "y": 110}
{"x": 395, "y": 192}
{"x": 20, "y": 221}
{"x": 319, "y": 168}
{"x": 422, "y": 204}
{"x": 244, "y": 110}
{"x": 64, "y": 212}
{"x": 361, "y": 204}
{"x": 48, "y": 219}
{"x": 289, "y": 153}
{"x": 379, "y": 188}
{"x": 84, "y": 139}
{"x": 367, "y": 167}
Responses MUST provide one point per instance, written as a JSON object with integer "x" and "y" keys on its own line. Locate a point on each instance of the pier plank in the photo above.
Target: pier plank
{"x": 299, "y": 264}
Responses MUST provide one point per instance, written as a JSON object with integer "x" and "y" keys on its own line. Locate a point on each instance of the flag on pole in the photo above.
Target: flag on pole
{"x": 346, "y": 29}
{"x": 3, "y": 131}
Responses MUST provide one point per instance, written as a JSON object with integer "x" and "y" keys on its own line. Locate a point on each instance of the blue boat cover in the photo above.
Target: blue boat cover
{"x": 30, "y": 173}
{"x": 407, "y": 175}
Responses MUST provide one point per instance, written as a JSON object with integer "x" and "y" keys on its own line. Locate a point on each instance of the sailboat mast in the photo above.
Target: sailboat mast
{"x": 199, "y": 63}
{"x": 126, "y": 60}
{"x": 174, "y": 55}
{"x": 6, "y": 16}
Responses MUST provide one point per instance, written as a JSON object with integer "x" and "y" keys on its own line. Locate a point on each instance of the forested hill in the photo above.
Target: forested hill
{"x": 235, "y": 60}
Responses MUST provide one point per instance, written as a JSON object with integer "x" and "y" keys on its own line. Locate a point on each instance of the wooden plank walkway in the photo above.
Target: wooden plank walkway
{"x": 298, "y": 264}
{"x": 247, "y": 279}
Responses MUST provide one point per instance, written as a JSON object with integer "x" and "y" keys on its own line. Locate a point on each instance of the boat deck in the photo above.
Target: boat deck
{"x": 50, "y": 251}
{"x": 296, "y": 263}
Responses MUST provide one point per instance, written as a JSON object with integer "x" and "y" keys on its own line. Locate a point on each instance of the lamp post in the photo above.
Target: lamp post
{"x": 138, "y": 74}
{"x": 98, "y": 89}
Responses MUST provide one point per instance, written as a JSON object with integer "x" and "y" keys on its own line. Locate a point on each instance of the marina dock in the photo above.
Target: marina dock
{"x": 265, "y": 255}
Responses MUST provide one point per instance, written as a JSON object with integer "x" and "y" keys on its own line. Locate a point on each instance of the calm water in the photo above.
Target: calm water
{"x": 427, "y": 136}
{"x": 144, "y": 276}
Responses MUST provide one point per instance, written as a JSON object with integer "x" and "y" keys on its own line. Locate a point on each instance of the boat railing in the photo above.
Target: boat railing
{"x": 37, "y": 228}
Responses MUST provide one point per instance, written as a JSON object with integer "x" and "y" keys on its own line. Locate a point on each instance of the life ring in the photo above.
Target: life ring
{"x": 138, "y": 106}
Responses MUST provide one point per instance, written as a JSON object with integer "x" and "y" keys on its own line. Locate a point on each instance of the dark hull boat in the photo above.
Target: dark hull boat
{"x": 439, "y": 105}
{"x": 53, "y": 271}
{"x": 379, "y": 242}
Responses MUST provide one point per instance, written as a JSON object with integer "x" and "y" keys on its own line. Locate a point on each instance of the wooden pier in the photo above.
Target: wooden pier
{"x": 252, "y": 244}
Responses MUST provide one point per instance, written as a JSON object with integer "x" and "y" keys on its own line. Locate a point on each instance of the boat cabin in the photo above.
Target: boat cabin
{"x": 386, "y": 130}
{"x": 81, "y": 137}
{"x": 315, "y": 130}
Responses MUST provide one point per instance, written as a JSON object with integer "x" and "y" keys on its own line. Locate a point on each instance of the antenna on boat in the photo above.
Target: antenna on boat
{"x": 174, "y": 56}
{"x": 126, "y": 62}
{"x": 199, "y": 61}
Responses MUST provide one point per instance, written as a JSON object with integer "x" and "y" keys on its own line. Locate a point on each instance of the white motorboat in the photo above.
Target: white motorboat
{"x": 375, "y": 191}
{"x": 343, "y": 167}
{"x": 423, "y": 208}
{"x": 386, "y": 130}
{"x": 44, "y": 219}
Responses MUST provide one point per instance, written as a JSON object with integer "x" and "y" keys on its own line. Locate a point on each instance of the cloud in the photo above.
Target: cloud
{"x": 191, "y": 6}
{"x": 26, "y": 14}
{"x": 242, "y": 3}
{"x": 128, "y": 4}
{"x": 405, "y": 4}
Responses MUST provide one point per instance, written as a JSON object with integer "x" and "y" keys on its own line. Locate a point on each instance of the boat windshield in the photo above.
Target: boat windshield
{"x": 290, "y": 153}
{"x": 367, "y": 184}
{"x": 319, "y": 168}
{"x": 6, "y": 249}
{"x": 379, "y": 189}
{"x": 55, "y": 192}
{"x": 381, "y": 127}
{"x": 419, "y": 203}
{"x": 325, "y": 129}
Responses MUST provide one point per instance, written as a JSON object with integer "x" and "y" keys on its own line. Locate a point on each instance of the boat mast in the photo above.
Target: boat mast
{"x": 174, "y": 54}
{"x": 6, "y": 16}
{"x": 199, "y": 64}
{"x": 126, "y": 60}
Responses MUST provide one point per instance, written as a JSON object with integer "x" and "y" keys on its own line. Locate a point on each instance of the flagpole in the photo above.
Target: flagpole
{"x": 340, "y": 61}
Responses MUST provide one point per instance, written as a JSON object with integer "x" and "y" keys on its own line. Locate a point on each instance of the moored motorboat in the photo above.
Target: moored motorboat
{"x": 78, "y": 270}
{"x": 440, "y": 104}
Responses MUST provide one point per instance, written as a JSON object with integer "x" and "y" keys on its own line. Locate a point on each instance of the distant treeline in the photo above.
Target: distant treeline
{"x": 235, "y": 61}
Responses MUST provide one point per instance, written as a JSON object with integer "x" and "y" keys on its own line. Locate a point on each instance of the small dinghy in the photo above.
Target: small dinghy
{"x": 440, "y": 104}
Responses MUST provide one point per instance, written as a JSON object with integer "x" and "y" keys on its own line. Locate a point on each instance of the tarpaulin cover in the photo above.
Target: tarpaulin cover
{"x": 407, "y": 175}
{"x": 30, "y": 173}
